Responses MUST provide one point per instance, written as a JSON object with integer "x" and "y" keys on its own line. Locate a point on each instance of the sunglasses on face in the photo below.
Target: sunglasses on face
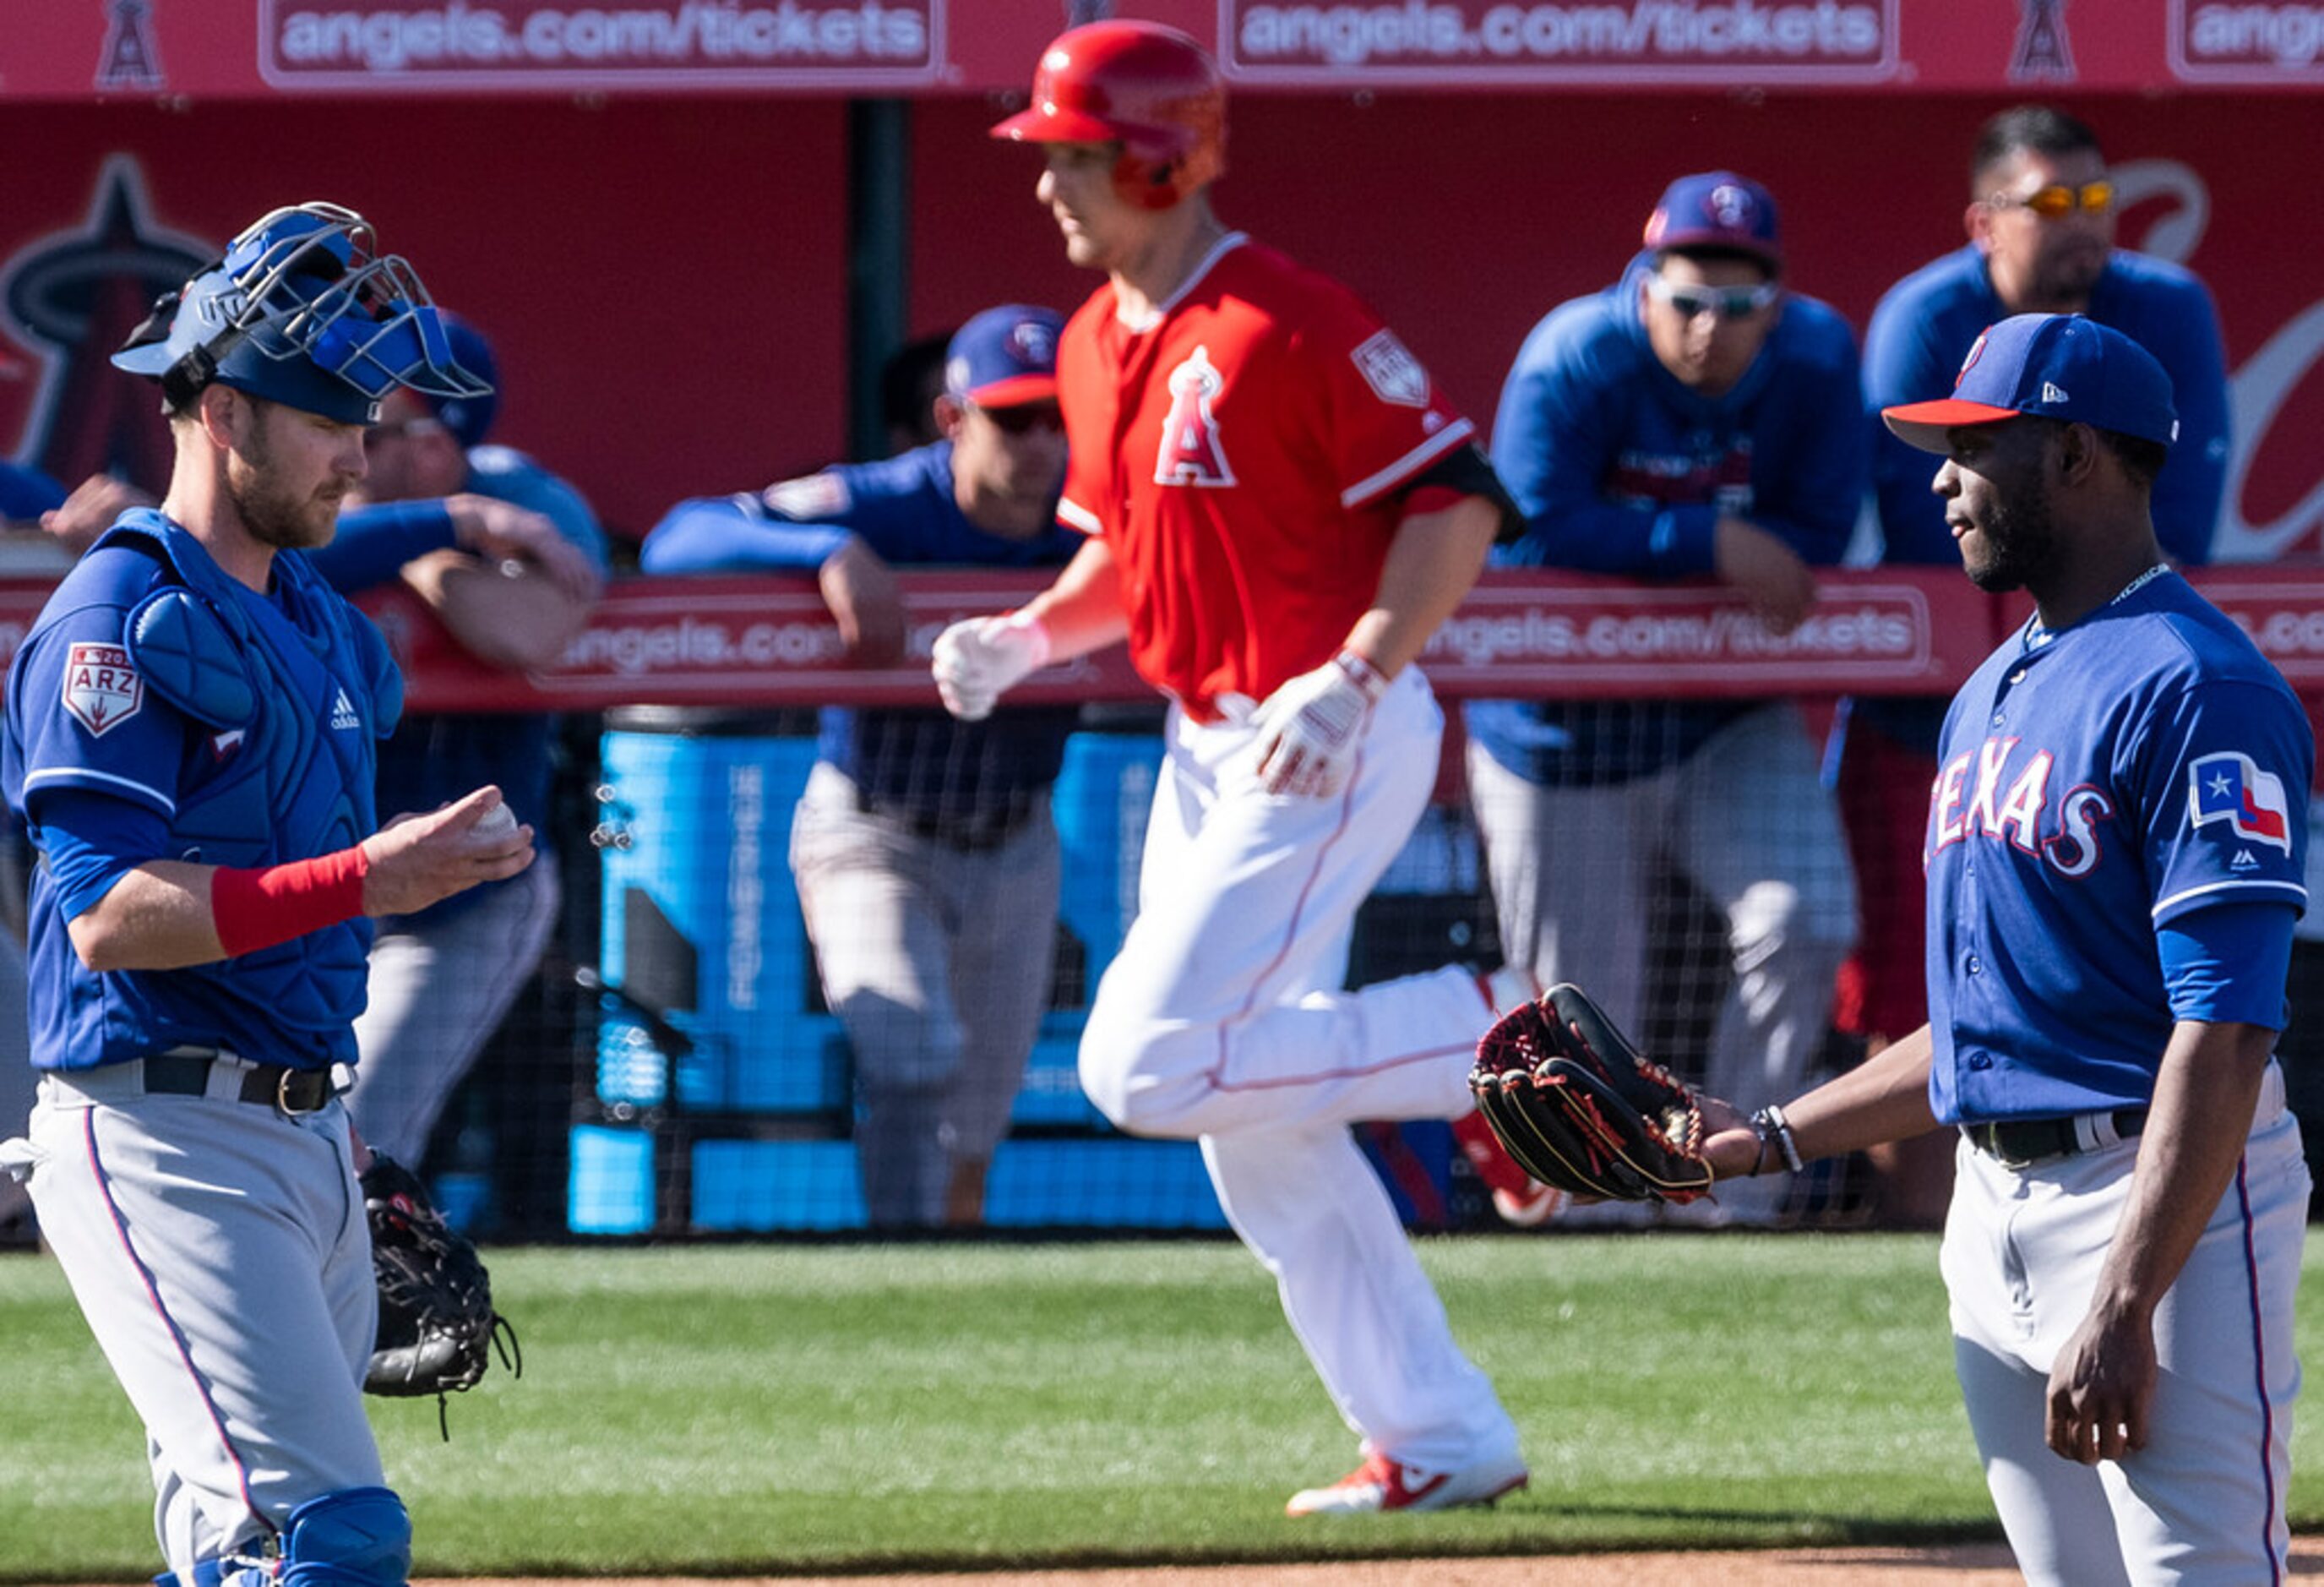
{"x": 2060, "y": 200}
{"x": 1024, "y": 418}
{"x": 1725, "y": 302}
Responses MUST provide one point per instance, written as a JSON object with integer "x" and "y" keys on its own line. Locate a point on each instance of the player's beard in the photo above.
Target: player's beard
{"x": 2019, "y": 542}
{"x": 275, "y": 514}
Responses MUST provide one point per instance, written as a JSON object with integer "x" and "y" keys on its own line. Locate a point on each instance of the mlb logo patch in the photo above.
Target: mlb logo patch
{"x": 102, "y": 690}
{"x": 2228, "y": 788}
{"x": 1394, "y": 374}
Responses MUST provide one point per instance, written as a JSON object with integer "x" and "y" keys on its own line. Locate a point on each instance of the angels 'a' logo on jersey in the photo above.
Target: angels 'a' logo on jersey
{"x": 102, "y": 690}
{"x": 2229, "y": 787}
{"x": 1191, "y": 453}
{"x": 1391, "y": 371}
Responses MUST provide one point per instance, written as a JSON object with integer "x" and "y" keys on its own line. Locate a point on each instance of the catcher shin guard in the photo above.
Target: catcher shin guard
{"x": 355, "y": 1538}
{"x": 1581, "y": 1109}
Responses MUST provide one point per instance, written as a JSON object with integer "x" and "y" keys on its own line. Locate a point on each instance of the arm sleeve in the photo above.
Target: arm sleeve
{"x": 89, "y": 840}
{"x": 1383, "y": 418}
{"x": 2228, "y": 965}
{"x": 2222, "y": 773}
{"x": 1555, "y": 437}
{"x": 2194, "y": 479}
{"x": 86, "y": 719}
{"x": 373, "y": 543}
{"x": 736, "y": 534}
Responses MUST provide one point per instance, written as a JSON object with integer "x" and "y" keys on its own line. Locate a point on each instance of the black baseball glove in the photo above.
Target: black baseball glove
{"x": 438, "y": 1330}
{"x": 1581, "y": 1109}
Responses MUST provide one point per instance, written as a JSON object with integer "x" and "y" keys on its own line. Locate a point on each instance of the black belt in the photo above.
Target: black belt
{"x": 2019, "y": 1143}
{"x": 970, "y": 834}
{"x": 272, "y": 1085}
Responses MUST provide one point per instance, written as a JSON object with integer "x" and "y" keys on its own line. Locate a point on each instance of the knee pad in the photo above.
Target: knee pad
{"x": 355, "y": 1538}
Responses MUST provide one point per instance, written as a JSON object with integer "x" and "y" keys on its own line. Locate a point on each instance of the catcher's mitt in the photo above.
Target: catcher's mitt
{"x": 1582, "y": 1110}
{"x": 438, "y": 1329}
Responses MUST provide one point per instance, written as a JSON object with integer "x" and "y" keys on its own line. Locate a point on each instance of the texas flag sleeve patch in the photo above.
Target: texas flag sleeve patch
{"x": 2228, "y": 788}
{"x": 102, "y": 690}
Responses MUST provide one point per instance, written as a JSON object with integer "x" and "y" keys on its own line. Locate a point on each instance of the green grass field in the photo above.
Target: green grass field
{"x": 755, "y": 1409}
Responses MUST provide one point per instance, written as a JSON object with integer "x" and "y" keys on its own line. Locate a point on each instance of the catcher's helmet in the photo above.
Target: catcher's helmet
{"x": 301, "y": 312}
{"x": 1149, "y": 87}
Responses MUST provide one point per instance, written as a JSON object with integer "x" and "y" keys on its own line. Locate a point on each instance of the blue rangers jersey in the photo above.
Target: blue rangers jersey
{"x": 2096, "y": 784}
{"x": 162, "y": 711}
{"x": 1620, "y": 468}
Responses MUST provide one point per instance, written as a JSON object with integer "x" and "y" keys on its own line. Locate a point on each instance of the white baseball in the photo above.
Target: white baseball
{"x": 496, "y": 822}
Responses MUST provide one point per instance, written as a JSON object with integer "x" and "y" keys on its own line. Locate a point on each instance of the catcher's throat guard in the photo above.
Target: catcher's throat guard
{"x": 1580, "y": 1109}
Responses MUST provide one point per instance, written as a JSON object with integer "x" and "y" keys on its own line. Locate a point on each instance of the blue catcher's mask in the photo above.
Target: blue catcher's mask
{"x": 303, "y": 312}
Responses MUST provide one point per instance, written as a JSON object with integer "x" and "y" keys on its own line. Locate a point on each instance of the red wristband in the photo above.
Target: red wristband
{"x": 257, "y": 908}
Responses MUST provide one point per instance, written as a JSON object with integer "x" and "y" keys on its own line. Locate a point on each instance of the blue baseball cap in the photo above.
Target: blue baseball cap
{"x": 468, "y": 415}
{"x": 2058, "y": 366}
{"x": 1716, "y": 209}
{"x": 1005, "y": 357}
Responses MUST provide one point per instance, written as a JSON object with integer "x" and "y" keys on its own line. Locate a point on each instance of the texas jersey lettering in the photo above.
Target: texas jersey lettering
{"x": 2068, "y": 768}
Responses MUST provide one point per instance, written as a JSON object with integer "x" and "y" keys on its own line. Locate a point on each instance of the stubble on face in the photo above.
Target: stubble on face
{"x": 278, "y": 507}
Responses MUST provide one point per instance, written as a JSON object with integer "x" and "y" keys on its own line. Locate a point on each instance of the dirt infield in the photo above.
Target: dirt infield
{"x": 1976, "y": 1565}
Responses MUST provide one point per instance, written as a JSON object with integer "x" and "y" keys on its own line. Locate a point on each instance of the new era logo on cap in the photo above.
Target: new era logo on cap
{"x": 2058, "y": 366}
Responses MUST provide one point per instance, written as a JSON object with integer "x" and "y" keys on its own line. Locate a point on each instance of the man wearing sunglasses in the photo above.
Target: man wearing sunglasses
{"x": 1693, "y": 418}
{"x": 2041, "y": 224}
{"x": 927, "y": 861}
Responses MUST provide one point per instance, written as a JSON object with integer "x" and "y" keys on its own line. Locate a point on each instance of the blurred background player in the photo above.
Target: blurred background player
{"x": 1694, "y": 418}
{"x": 2041, "y": 224}
{"x": 926, "y": 859}
{"x": 199, "y": 783}
{"x": 510, "y": 559}
{"x": 1282, "y": 510}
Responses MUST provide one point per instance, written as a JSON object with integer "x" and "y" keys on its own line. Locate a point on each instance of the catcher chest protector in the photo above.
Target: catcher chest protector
{"x": 1150, "y": 88}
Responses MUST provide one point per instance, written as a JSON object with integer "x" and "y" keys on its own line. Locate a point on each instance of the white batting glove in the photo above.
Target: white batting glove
{"x": 1308, "y": 728}
{"x": 977, "y": 660}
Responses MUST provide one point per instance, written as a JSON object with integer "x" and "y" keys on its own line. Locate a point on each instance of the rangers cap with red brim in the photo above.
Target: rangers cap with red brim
{"x": 2060, "y": 366}
{"x": 1005, "y": 357}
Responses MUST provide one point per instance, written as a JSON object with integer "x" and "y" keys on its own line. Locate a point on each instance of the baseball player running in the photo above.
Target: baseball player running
{"x": 189, "y": 736}
{"x": 2114, "y": 868}
{"x": 1282, "y": 509}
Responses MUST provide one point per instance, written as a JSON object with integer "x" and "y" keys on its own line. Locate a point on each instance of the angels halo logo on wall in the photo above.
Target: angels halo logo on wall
{"x": 102, "y": 690}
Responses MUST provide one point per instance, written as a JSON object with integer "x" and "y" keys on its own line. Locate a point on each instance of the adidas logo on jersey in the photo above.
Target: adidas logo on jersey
{"x": 2244, "y": 860}
{"x": 342, "y": 713}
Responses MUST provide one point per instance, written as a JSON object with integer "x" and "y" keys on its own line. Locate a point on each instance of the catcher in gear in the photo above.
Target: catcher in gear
{"x": 437, "y": 1328}
{"x": 1580, "y": 1109}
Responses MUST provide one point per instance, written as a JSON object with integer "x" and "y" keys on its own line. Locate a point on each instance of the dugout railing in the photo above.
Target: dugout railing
{"x": 672, "y": 1070}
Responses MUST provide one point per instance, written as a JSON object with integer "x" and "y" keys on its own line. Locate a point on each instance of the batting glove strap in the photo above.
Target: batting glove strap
{"x": 1308, "y": 730}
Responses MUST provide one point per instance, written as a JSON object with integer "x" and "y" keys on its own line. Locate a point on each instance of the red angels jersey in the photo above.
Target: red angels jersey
{"x": 1243, "y": 453}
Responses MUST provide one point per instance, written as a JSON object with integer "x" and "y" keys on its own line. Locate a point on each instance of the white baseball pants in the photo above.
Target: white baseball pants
{"x": 1220, "y": 1019}
{"x": 2203, "y": 1503}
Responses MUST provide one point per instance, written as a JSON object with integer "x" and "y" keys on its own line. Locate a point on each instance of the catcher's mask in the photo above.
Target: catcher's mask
{"x": 302, "y": 310}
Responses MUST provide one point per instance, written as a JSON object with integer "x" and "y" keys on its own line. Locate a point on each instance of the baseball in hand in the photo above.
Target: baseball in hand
{"x": 497, "y": 822}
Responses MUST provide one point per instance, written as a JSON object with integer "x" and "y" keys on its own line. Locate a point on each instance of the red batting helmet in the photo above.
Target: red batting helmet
{"x": 1151, "y": 88}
